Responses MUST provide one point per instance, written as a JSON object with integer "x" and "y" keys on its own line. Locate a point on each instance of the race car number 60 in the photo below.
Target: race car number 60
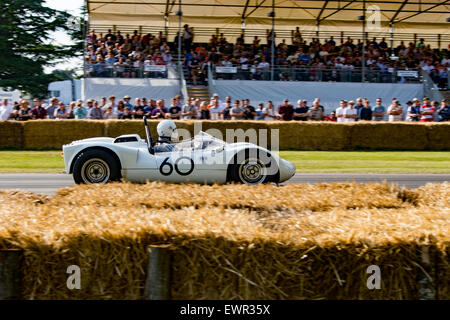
{"x": 166, "y": 163}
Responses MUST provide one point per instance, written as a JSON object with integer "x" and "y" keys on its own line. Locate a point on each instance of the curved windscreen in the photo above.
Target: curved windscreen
{"x": 201, "y": 141}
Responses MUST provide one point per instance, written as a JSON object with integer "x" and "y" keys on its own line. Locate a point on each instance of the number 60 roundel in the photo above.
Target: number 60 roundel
{"x": 170, "y": 167}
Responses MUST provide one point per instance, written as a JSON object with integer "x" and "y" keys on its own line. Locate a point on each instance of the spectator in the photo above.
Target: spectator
{"x": 61, "y": 112}
{"x": 204, "y": 112}
{"x": 189, "y": 111}
{"x": 80, "y": 112}
{"x": 301, "y": 112}
{"x": 126, "y": 114}
{"x": 315, "y": 113}
{"x": 109, "y": 114}
{"x": 188, "y": 37}
{"x": 148, "y": 110}
{"x": 237, "y": 113}
{"x": 195, "y": 68}
{"x": 96, "y": 112}
{"x": 127, "y": 103}
{"x": 160, "y": 111}
{"x": 365, "y": 113}
{"x": 285, "y": 111}
{"x": 24, "y": 113}
{"x": 38, "y": 112}
{"x": 215, "y": 111}
{"x": 413, "y": 113}
{"x": 249, "y": 110}
{"x": 70, "y": 109}
{"x": 427, "y": 111}
{"x": 341, "y": 111}
{"x": 120, "y": 109}
{"x": 259, "y": 112}
{"x": 226, "y": 111}
{"x": 89, "y": 106}
{"x": 269, "y": 112}
{"x": 103, "y": 102}
{"x": 6, "y": 110}
{"x": 444, "y": 111}
{"x": 174, "y": 111}
{"x": 318, "y": 102}
{"x": 331, "y": 117}
{"x": 379, "y": 111}
{"x": 395, "y": 111}
{"x": 52, "y": 107}
{"x": 358, "y": 106}
{"x": 112, "y": 104}
{"x": 138, "y": 109}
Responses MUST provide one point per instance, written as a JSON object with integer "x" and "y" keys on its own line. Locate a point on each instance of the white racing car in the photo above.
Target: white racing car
{"x": 203, "y": 159}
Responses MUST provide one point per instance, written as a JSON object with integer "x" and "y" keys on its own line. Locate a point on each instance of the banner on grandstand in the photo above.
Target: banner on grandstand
{"x": 158, "y": 68}
{"x": 407, "y": 73}
{"x": 226, "y": 69}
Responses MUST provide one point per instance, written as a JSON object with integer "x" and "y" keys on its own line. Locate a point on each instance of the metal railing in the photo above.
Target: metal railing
{"x": 311, "y": 73}
{"x": 211, "y": 81}
{"x": 183, "y": 86}
{"x": 430, "y": 89}
{"x": 100, "y": 70}
{"x": 203, "y": 34}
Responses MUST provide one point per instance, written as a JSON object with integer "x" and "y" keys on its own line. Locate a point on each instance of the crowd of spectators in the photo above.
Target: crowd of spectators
{"x": 128, "y": 56}
{"x": 229, "y": 109}
{"x": 133, "y": 54}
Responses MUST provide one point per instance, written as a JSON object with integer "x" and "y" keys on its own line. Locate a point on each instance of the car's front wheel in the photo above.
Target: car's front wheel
{"x": 248, "y": 167}
{"x": 95, "y": 166}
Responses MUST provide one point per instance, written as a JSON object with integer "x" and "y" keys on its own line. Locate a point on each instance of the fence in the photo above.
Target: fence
{"x": 316, "y": 73}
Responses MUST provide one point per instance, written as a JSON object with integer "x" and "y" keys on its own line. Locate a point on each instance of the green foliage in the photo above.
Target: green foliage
{"x": 25, "y": 45}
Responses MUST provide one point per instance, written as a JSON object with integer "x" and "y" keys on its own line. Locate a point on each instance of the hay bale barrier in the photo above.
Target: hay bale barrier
{"x": 231, "y": 241}
{"x": 51, "y": 134}
{"x": 11, "y": 134}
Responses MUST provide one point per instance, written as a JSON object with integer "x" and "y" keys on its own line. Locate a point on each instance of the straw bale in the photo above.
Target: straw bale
{"x": 259, "y": 243}
{"x": 11, "y": 134}
{"x": 312, "y": 135}
{"x": 392, "y": 136}
{"x": 52, "y": 134}
{"x": 438, "y": 136}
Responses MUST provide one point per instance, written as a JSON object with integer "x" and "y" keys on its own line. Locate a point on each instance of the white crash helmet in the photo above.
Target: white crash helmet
{"x": 167, "y": 129}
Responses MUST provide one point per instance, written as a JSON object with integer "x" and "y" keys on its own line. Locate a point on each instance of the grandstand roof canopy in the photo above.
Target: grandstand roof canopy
{"x": 424, "y": 15}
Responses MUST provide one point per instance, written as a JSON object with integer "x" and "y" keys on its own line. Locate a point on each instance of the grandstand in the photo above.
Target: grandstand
{"x": 317, "y": 49}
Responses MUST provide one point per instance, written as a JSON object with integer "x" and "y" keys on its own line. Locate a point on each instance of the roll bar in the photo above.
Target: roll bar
{"x": 150, "y": 143}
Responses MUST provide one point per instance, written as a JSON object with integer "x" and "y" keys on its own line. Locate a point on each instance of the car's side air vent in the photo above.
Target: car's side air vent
{"x": 125, "y": 139}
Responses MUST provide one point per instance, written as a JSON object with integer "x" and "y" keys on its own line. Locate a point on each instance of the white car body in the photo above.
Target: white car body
{"x": 203, "y": 159}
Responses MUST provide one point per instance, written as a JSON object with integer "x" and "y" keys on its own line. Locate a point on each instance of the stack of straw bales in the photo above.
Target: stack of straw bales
{"x": 232, "y": 241}
{"x": 295, "y": 135}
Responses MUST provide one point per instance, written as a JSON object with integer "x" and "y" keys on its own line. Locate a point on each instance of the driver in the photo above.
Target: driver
{"x": 167, "y": 131}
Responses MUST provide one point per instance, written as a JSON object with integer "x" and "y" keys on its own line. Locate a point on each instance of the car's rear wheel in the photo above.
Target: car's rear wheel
{"x": 95, "y": 166}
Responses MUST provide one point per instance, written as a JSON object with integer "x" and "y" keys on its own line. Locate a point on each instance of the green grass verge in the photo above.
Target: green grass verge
{"x": 305, "y": 161}
{"x": 370, "y": 161}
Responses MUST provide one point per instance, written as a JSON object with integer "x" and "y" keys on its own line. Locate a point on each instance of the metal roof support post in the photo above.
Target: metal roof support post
{"x": 364, "y": 43}
{"x": 179, "y": 13}
{"x": 272, "y": 14}
{"x": 391, "y": 37}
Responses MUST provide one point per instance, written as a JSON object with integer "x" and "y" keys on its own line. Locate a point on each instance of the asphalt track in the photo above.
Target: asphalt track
{"x": 49, "y": 183}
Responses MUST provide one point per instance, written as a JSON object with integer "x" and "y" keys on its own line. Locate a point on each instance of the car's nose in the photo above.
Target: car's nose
{"x": 287, "y": 170}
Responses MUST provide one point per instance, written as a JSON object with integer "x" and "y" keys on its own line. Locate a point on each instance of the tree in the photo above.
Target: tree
{"x": 26, "y": 47}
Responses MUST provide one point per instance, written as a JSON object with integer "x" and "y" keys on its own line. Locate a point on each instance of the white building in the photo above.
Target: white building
{"x": 12, "y": 96}
{"x": 66, "y": 91}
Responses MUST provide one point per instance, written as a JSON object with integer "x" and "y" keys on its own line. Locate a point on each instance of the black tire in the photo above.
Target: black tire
{"x": 251, "y": 167}
{"x": 95, "y": 166}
